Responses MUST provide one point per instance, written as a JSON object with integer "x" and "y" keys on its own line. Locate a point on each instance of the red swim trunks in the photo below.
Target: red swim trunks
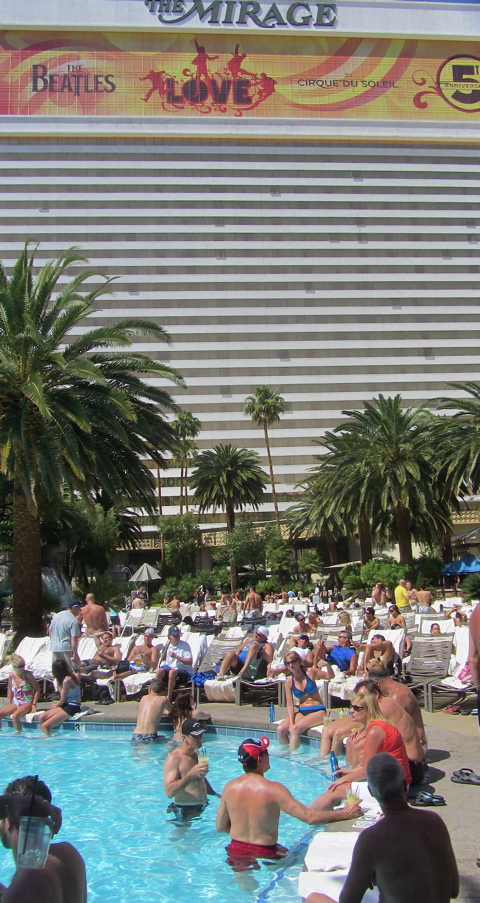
{"x": 243, "y": 855}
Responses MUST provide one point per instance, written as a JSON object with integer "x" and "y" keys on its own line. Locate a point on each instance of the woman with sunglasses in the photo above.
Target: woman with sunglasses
{"x": 381, "y": 736}
{"x": 304, "y": 705}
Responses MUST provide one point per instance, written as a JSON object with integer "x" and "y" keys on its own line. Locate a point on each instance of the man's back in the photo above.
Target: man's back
{"x": 95, "y": 617}
{"x": 253, "y": 809}
{"x": 63, "y": 880}
{"x": 409, "y": 856}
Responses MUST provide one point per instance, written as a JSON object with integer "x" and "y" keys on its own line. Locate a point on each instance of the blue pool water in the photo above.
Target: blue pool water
{"x": 114, "y": 811}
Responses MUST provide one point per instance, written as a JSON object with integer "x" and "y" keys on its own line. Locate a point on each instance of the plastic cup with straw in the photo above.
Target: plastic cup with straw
{"x": 34, "y": 837}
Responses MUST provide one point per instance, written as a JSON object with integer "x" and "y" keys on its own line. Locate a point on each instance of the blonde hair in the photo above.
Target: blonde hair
{"x": 17, "y": 662}
{"x": 344, "y": 618}
{"x": 372, "y": 707}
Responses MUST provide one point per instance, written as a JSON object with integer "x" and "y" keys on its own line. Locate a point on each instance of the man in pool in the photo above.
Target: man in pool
{"x": 151, "y": 708}
{"x": 184, "y": 777}
{"x": 250, "y": 809}
{"x": 63, "y": 878}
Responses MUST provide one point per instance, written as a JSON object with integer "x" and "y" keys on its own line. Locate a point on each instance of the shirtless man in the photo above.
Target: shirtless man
{"x": 62, "y": 880}
{"x": 249, "y": 649}
{"x": 184, "y": 777}
{"x": 106, "y": 656}
{"x": 150, "y": 711}
{"x": 408, "y": 854}
{"x": 174, "y": 604}
{"x": 381, "y": 649}
{"x": 253, "y": 602}
{"x": 250, "y": 809}
{"x": 146, "y": 655}
{"x": 94, "y": 616}
{"x": 400, "y": 694}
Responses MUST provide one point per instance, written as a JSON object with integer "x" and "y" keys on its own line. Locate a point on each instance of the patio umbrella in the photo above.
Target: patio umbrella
{"x": 468, "y": 564}
{"x": 145, "y": 574}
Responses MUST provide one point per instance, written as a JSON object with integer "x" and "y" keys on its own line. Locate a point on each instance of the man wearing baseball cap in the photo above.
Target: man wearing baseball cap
{"x": 250, "y": 809}
{"x": 65, "y": 635}
{"x": 249, "y": 650}
{"x": 184, "y": 777}
{"x": 145, "y": 656}
{"x": 178, "y": 661}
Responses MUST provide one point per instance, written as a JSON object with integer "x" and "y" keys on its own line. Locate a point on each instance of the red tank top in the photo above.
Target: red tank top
{"x": 394, "y": 745}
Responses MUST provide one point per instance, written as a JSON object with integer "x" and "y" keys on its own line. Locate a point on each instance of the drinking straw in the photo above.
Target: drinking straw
{"x": 30, "y": 812}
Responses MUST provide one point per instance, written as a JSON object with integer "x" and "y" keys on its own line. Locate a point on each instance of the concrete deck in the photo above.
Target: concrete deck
{"x": 454, "y": 742}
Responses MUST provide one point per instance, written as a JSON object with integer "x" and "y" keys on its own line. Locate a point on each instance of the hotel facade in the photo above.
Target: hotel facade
{"x": 292, "y": 189}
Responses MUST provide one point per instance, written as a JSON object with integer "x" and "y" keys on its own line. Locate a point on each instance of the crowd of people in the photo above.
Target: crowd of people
{"x": 383, "y": 733}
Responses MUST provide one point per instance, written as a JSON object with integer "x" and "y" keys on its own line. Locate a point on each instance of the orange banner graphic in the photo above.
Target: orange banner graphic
{"x": 307, "y": 76}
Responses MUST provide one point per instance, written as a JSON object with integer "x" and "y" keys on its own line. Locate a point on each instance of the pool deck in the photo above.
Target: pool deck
{"x": 454, "y": 743}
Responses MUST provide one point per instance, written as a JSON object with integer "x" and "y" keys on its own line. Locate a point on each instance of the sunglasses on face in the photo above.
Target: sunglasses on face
{"x": 356, "y": 708}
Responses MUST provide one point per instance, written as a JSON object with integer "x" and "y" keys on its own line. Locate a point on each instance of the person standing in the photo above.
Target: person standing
{"x": 184, "y": 777}
{"x": 94, "y": 616}
{"x": 401, "y": 596}
{"x": 65, "y": 635}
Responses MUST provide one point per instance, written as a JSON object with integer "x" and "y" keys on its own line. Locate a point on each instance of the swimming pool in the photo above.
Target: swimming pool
{"x": 114, "y": 811}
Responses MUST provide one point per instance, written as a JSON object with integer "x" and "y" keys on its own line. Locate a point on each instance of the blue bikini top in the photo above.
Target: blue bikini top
{"x": 310, "y": 687}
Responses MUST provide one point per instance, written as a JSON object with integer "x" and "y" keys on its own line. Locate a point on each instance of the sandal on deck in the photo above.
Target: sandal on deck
{"x": 452, "y": 710}
{"x": 427, "y": 799}
{"x": 465, "y": 776}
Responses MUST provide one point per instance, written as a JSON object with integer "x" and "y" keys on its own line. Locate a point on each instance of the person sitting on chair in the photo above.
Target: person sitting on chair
{"x": 178, "y": 661}
{"x": 250, "y": 649}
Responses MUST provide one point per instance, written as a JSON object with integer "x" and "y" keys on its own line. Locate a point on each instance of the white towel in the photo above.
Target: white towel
{"x": 330, "y": 883}
{"x": 330, "y": 851}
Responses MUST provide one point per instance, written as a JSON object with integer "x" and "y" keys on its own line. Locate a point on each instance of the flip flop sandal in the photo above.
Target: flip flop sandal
{"x": 465, "y": 776}
{"x": 452, "y": 710}
{"x": 427, "y": 799}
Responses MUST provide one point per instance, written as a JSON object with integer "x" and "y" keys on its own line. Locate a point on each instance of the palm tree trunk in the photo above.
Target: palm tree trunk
{"x": 447, "y": 552}
{"x": 181, "y": 487}
{"x": 230, "y": 515}
{"x": 365, "y": 537}
{"x": 185, "y": 478}
{"x": 27, "y": 568}
{"x": 272, "y": 478}
{"x": 331, "y": 545}
{"x": 402, "y": 520}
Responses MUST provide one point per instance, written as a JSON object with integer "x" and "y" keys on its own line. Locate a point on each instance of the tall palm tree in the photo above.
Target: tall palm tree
{"x": 75, "y": 414}
{"x": 186, "y": 428}
{"x": 392, "y": 463}
{"x": 311, "y": 517}
{"x": 265, "y": 407}
{"x": 457, "y": 439}
{"x": 231, "y": 479}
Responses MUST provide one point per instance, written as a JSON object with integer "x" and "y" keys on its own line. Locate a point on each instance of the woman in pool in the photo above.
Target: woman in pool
{"x": 183, "y": 708}
{"x": 302, "y": 694}
{"x": 22, "y": 694}
{"x": 381, "y": 736}
{"x": 70, "y": 699}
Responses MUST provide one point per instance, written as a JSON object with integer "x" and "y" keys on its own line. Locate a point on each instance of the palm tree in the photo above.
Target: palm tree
{"x": 457, "y": 440}
{"x": 75, "y": 415}
{"x": 231, "y": 479}
{"x": 265, "y": 407}
{"x": 186, "y": 428}
{"x": 392, "y": 464}
{"x": 311, "y": 517}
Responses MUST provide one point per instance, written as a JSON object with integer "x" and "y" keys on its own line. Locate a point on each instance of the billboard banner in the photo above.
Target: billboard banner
{"x": 315, "y": 76}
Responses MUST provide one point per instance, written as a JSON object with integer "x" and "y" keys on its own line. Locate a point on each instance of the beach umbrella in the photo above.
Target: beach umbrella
{"x": 468, "y": 564}
{"x": 145, "y": 574}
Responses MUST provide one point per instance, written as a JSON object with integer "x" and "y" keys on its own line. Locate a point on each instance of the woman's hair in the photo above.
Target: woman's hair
{"x": 182, "y": 708}
{"x": 312, "y": 619}
{"x": 370, "y": 609}
{"x": 344, "y": 618}
{"x": 61, "y": 670}
{"x": 292, "y": 654}
{"x": 17, "y": 662}
{"x": 395, "y": 608}
{"x": 372, "y": 707}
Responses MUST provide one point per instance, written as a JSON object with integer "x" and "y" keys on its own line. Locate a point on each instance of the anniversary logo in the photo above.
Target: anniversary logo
{"x": 178, "y": 74}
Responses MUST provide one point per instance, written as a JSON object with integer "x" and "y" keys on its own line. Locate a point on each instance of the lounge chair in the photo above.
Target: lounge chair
{"x": 429, "y": 662}
{"x": 452, "y": 686}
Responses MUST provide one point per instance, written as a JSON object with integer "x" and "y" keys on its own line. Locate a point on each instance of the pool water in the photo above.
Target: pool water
{"x": 114, "y": 812}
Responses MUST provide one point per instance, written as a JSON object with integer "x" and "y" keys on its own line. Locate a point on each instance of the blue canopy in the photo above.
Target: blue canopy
{"x": 468, "y": 564}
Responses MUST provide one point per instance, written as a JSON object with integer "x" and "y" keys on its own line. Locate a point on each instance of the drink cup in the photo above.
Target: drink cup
{"x": 203, "y": 757}
{"x": 33, "y": 842}
{"x": 352, "y": 798}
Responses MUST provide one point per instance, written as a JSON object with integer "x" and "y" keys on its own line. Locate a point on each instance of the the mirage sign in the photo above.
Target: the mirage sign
{"x": 244, "y": 13}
